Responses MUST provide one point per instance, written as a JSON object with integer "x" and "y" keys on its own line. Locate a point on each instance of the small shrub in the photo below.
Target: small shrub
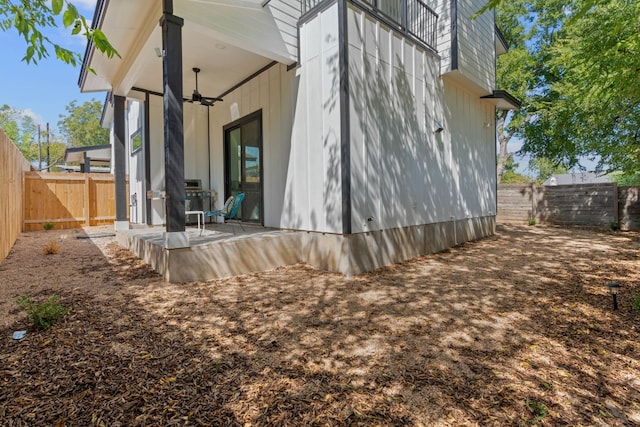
{"x": 614, "y": 226}
{"x": 532, "y": 221}
{"x": 42, "y": 315}
{"x": 635, "y": 302}
{"x": 48, "y": 226}
{"x": 538, "y": 409}
{"x": 51, "y": 248}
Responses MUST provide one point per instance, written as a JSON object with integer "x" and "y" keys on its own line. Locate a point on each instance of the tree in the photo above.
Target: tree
{"x": 545, "y": 168}
{"x": 593, "y": 107}
{"x": 576, "y": 66}
{"x": 623, "y": 179}
{"x": 529, "y": 28}
{"x": 21, "y": 129}
{"x": 510, "y": 176}
{"x": 30, "y": 17}
{"x": 81, "y": 126}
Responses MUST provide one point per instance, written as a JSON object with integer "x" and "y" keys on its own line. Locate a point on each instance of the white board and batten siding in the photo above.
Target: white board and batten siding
{"x": 403, "y": 173}
{"x": 471, "y": 124}
{"x": 476, "y": 44}
{"x": 156, "y": 138}
{"x": 272, "y": 92}
{"x": 443, "y": 37}
{"x": 475, "y": 40}
{"x": 196, "y": 143}
{"x": 314, "y": 185}
{"x": 136, "y": 163}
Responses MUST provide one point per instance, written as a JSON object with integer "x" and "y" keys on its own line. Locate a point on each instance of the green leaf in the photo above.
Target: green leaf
{"x": 76, "y": 28}
{"x": 56, "y": 6}
{"x": 70, "y": 16}
{"x": 30, "y": 52}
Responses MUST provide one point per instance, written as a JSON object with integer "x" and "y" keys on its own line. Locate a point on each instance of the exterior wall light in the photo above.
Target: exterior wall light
{"x": 614, "y": 288}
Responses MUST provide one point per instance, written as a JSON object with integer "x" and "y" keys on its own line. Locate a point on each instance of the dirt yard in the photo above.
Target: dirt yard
{"x": 517, "y": 329}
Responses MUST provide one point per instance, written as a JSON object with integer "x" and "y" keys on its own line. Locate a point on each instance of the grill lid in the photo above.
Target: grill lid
{"x": 192, "y": 184}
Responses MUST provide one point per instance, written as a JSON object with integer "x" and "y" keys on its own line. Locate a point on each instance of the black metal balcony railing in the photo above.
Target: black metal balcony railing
{"x": 412, "y": 17}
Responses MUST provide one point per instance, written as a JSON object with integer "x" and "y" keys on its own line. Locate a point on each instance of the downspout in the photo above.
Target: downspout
{"x": 209, "y": 153}
{"x": 147, "y": 158}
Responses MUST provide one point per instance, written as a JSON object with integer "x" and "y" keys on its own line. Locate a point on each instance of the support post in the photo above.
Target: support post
{"x": 175, "y": 236}
{"x": 147, "y": 157}
{"x": 615, "y": 207}
{"x": 119, "y": 162}
{"x": 87, "y": 199}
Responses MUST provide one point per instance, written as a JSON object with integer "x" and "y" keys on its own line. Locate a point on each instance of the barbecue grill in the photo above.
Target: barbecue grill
{"x": 196, "y": 198}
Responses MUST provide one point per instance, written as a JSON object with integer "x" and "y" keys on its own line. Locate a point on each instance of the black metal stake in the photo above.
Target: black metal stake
{"x": 614, "y": 288}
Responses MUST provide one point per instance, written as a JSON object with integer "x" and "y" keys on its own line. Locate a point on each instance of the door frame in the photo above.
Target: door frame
{"x": 256, "y": 115}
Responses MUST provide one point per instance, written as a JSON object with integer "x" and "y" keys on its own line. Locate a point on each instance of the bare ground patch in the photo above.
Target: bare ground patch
{"x": 512, "y": 330}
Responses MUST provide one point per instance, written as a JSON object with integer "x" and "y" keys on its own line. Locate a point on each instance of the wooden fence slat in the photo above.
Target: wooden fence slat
{"x": 68, "y": 200}
{"x": 12, "y": 166}
{"x": 595, "y": 205}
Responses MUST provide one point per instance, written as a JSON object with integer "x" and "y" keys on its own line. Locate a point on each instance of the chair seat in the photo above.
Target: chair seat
{"x": 230, "y": 209}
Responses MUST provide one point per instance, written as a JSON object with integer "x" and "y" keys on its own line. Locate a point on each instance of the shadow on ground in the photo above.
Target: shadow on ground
{"x": 511, "y": 330}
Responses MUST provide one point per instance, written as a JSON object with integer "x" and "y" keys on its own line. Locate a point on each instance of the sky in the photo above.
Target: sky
{"x": 43, "y": 90}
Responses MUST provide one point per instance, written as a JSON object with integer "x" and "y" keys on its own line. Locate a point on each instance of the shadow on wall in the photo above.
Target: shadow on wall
{"x": 403, "y": 172}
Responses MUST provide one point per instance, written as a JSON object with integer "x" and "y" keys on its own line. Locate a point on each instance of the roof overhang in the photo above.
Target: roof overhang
{"x": 503, "y": 100}
{"x": 227, "y": 39}
{"x": 502, "y": 46}
{"x": 95, "y": 153}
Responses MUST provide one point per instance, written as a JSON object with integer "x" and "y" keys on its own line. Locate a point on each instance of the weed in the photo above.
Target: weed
{"x": 532, "y": 221}
{"x": 42, "y": 315}
{"x": 635, "y": 302}
{"x": 51, "y": 248}
{"x": 538, "y": 409}
{"x": 48, "y": 226}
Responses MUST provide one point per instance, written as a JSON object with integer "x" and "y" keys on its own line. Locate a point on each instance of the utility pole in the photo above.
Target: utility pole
{"x": 39, "y": 151}
{"x": 48, "y": 152}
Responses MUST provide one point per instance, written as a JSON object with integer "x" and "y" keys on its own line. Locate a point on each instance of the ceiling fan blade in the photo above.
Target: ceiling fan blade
{"x": 197, "y": 97}
{"x": 212, "y": 99}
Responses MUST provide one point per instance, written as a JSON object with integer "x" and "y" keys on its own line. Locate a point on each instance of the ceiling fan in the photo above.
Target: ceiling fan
{"x": 197, "y": 97}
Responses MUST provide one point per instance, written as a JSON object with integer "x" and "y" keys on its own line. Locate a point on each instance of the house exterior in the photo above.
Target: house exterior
{"x": 576, "y": 178}
{"x": 367, "y": 125}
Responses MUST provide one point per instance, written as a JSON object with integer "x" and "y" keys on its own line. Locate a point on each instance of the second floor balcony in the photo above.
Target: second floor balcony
{"x": 413, "y": 18}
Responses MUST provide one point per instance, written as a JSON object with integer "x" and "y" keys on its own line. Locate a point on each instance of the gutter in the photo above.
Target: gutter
{"x": 98, "y": 17}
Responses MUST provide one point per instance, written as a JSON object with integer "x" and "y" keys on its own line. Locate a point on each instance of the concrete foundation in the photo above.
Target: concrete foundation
{"x": 218, "y": 254}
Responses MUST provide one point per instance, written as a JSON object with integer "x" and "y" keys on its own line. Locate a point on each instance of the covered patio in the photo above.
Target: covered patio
{"x": 183, "y": 74}
{"x": 220, "y": 250}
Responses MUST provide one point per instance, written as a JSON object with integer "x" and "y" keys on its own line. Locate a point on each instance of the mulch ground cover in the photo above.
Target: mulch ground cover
{"x": 517, "y": 329}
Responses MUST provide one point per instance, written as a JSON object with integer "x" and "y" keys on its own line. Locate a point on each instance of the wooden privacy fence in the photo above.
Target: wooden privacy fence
{"x": 68, "y": 200}
{"x": 588, "y": 205}
{"x": 12, "y": 165}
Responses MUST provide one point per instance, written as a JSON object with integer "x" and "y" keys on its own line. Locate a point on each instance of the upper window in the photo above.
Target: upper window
{"x": 135, "y": 116}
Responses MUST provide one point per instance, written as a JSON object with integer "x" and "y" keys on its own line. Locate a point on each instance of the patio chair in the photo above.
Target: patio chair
{"x": 230, "y": 208}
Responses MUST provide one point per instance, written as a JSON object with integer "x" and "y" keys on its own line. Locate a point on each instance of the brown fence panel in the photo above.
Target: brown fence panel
{"x": 68, "y": 200}
{"x": 629, "y": 208}
{"x": 12, "y": 166}
{"x": 589, "y": 205}
{"x": 515, "y": 203}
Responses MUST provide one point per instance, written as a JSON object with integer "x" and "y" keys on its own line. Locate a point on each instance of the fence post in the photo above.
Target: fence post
{"x": 616, "y": 213}
{"x": 87, "y": 200}
{"x": 534, "y": 199}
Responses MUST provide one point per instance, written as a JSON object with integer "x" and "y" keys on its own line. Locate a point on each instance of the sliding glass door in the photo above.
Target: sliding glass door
{"x": 243, "y": 165}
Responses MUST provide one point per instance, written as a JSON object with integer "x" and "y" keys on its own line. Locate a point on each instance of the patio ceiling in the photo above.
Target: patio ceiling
{"x": 213, "y": 40}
